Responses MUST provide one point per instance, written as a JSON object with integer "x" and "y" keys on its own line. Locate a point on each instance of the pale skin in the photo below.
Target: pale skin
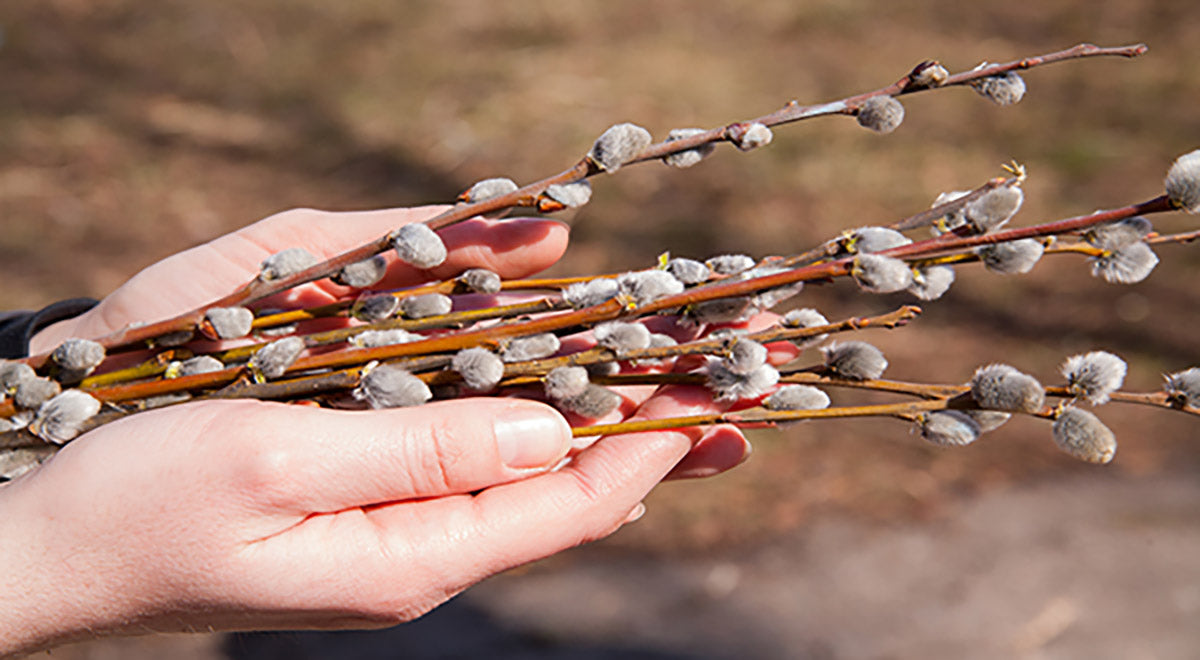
{"x": 244, "y": 515}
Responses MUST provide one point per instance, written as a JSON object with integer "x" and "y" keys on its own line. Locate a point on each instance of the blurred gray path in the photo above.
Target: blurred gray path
{"x": 1093, "y": 567}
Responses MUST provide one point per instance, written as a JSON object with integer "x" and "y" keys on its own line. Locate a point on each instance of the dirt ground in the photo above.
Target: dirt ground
{"x": 130, "y": 130}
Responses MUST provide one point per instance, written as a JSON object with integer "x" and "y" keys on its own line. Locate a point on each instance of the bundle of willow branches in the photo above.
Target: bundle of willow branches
{"x": 680, "y": 321}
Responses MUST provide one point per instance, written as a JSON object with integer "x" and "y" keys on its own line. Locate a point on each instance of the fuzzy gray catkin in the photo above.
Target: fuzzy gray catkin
{"x": 688, "y": 157}
{"x": 373, "y": 309}
{"x": 797, "y": 397}
{"x": 33, "y": 392}
{"x": 1183, "y": 182}
{"x": 931, "y": 282}
{"x": 620, "y": 337}
{"x": 387, "y": 386}
{"x": 949, "y": 428}
{"x": 362, "y": 274}
{"x": 489, "y": 189}
{"x": 882, "y": 114}
{"x": 533, "y": 347}
{"x": 201, "y": 364}
{"x": 988, "y": 420}
{"x": 1119, "y": 234}
{"x": 62, "y": 418}
{"x": 1002, "y": 387}
{"x": 646, "y": 286}
{"x": 1183, "y": 387}
{"x": 932, "y": 75}
{"x": 274, "y": 359}
{"x": 618, "y": 145}
{"x": 659, "y": 340}
{"x": 723, "y": 310}
{"x": 591, "y": 292}
{"x": 230, "y": 322}
{"x": 426, "y": 305}
{"x": 286, "y": 262}
{"x": 753, "y": 136}
{"x": 873, "y": 239}
{"x": 1011, "y": 257}
{"x": 1128, "y": 265}
{"x": 1094, "y": 376}
{"x": 856, "y": 360}
{"x": 564, "y": 383}
{"x": 480, "y": 368}
{"x": 1005, "y": 89}
{"x": 377, "y": 338}
{"x": 418, "y": 245}
{"x": 745, "y": 356}
{"x": 729, "y": 264}
{"x": 11, "y": 375}
{"x": 876, "y": 273}
{"x": 1082, "y": 435}
{"x": 481, "y": 280}
{"x": 729, "y": 385}
{"x": 594, "y": 402}
{"x": 994, "y": 208}
{"x": 77, "y": 358}
{"x": 570, "y": 195}
{"x": 805, "y": 318}
{"x": 688, "y": 271}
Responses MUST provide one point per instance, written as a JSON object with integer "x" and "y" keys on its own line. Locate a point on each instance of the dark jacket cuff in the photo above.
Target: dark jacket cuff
{"x": 17, "y": 328}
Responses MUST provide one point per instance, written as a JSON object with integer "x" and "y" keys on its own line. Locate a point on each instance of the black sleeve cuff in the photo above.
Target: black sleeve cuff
{"x": 17, "y": 328}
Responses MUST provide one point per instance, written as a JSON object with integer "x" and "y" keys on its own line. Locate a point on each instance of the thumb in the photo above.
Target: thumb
{"x": 312, "y": 460}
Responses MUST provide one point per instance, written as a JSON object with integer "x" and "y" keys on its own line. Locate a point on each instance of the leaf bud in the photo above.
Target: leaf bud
{"x": 425, "y": 305}
{"x": 752, "y": 136}
{"x": 1128, "y": 265}
{"x": 1094, "y": 376}
{"x": 418, "y": 245}
{"x": 286, "y": 262}
{"x": 931, "y": 282}
{"x": 689, "y": 157}
{"x": 230, "y": 322}
{"x": 372, "y": 309}
{"x": 1082, "y": 435}
{"x": 882, "y": 114}
{"x": 591, "y": 292}
{"x": 620, "y": 337}
{"x": 949, "y": 428}
{"x": 480, "y": 368}
{"x": 564, "y": 383}
{"x": 1183, "y": 182}
{"x": 856, "y": 360}
{"x": 929, "y": 74}
{"x": 273, "y": 360}
{"x": 362, "y": 274}
{"x": 797, "y": 397}
{"x": 201, "y": 364}
{"x": 618, "y": 145}
{"x": 387, "y": 386}
{"x": 688, "y": 271}
{"x": 873, "y": 239}
{"x": 480, "y": 280}
{"x": 876, "y": 273}
{"x": 1002, "y": 387}
{"x": 1183, "y": 387}
{"x": 988, "y": 420}
{"x": 1011, "y": 257}
{"x": 533, "y": 347}
{"x": 62, "y": 418}
{"x": 1004, "y": 89}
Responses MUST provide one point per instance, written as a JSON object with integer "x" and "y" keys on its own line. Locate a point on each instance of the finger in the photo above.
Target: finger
{"x": 303, "y": 460}
{"x": 721, "y": 448}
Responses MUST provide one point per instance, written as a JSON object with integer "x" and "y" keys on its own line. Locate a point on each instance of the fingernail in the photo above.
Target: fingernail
{"x": 531, "y": 437}
{"x": 636, "y": 513}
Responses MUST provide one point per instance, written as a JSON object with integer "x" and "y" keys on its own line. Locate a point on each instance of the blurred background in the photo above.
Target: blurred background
{"x": 131, "y": 130}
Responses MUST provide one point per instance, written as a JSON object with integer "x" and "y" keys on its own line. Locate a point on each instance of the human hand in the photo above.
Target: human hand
{"x": 250, "y": 515}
